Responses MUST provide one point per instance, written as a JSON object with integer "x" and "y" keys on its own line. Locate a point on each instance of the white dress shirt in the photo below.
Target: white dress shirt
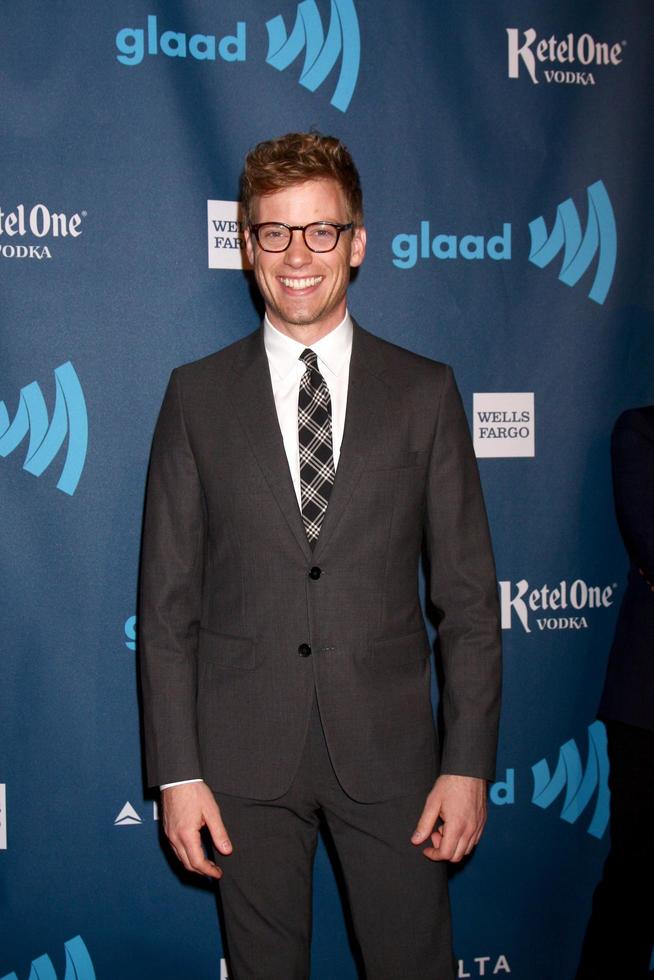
{"x": 286, "y": 369}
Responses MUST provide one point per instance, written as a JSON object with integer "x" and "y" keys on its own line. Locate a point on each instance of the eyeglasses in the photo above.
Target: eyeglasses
{"x": 319, "y": 236}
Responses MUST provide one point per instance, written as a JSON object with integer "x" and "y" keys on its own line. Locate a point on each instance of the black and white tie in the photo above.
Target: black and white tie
{"x": 315, "y": 443}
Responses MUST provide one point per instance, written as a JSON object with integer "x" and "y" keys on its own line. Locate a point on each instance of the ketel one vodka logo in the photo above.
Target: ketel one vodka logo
{"x": 29, "y": 233}
{"x": 571, "y": 60}
{"x": 47, "y": 435}
{"x": 565, "y": 605}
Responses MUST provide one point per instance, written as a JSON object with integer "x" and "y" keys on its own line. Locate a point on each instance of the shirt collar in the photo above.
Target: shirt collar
{"x": 283, "y": 352}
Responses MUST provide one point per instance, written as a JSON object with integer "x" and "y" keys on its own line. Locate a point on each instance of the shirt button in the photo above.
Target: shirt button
{"x": 315, "y": 572}
{"x": 304, "y": 650}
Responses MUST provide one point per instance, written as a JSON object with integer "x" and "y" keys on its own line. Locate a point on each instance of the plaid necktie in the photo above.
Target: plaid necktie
{"x": 315, "y": 442}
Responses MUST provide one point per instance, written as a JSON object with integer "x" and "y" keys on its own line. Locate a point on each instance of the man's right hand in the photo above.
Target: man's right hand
{"x": 186, "y": 809}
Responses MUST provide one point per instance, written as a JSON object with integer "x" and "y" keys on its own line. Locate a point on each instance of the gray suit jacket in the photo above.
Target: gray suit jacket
{"x": 236, "y": 630}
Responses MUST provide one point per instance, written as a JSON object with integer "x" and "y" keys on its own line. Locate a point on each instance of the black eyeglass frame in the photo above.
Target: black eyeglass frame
{"x": 291, "y": 228}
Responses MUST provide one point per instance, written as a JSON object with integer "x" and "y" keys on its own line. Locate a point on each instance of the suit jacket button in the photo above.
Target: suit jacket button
{"x": 315, "y": 572}
{"x": 304, "y": 650}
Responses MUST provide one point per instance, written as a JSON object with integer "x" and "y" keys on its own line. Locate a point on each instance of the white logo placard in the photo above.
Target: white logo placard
{"x": 226, "y": 242}
{"x": 503, "y": 423}
{"x": 3, "y": 817}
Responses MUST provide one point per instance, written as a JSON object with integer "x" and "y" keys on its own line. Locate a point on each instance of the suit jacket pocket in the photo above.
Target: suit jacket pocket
{"x": 413, "y": 647}
{"x": 394, "y": 460}
{"x": 223, "y": 650}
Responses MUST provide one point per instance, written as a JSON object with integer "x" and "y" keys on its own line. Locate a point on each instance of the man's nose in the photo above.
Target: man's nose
{"x": 297, "y": 254}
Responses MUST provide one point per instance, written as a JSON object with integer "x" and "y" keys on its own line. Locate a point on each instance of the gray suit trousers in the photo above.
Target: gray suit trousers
{"x": 398, "y": 898}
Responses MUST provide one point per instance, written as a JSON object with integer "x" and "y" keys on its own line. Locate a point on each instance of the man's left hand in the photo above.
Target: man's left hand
{"x": 453, "y": 816}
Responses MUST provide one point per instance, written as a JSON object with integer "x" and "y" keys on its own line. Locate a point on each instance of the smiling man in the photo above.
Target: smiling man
{"x": 302, "y": 264}
{"x": 295, "y": 478}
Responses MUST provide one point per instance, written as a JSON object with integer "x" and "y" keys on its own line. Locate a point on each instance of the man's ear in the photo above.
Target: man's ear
{"x": 249, "y": 245}
{"x": 358, "y": 249}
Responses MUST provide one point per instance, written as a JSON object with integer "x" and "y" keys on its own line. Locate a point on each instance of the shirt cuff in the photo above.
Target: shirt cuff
{"x": 181, "y": 782}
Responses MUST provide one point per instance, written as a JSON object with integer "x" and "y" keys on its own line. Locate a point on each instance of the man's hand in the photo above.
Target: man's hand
{"x": 460, "y": 804}
{"x": 186, "y": 809}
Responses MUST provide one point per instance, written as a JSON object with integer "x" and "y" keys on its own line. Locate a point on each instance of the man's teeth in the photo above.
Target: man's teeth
{"x": 301, "y": 283}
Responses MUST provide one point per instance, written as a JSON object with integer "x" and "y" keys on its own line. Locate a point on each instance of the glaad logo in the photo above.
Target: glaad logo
{"x": 130, "y": 632}
{"x": 569, "y": 775}
{"x": 503, "y": 423}
{"x": 600, "y": 237}
{"x": 576, "y": 596}
{"x": 131, "y": 43}
{"x": 69, "y": 418}
{"x": 321, "y": 53}
{"x": 445, "y": 246}
{"x": 78, "y": 964}
{"x": 579, "y": 251}
{"x": 562, "y": 55}
{"x": 225, "y": 236}
{"x": 39, "y": 222}
{"x": 579, "y": 786}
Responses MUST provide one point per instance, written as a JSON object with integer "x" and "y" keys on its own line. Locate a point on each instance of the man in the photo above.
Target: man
{"x": 294, "y": 478}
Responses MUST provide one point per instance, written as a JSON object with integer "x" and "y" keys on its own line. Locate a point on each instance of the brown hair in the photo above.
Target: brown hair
{"x": 294, "y": 158}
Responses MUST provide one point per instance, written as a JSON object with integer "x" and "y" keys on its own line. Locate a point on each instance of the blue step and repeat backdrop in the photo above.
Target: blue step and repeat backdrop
{"x": 506, "y": 157}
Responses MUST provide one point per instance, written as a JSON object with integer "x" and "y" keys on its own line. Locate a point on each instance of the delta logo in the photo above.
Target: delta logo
{"x": 322, "y": 48}
{"x": 128, "y": 816}
{"x": 594, "y": 246}
{"x": 483, "y": 966}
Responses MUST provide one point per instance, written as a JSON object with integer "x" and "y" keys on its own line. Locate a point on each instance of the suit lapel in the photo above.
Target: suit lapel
{"x": 255, "y": 406}
{"x": 253, "y": 402}
{"x": 366, "y": 400}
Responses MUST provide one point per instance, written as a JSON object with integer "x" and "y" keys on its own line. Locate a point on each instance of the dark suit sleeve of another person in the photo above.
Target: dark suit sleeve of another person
{"x": 628, "y": 694}
{"x": 464, "y": 591}
{"x": 632, "y": 457}
{"x": 172, "y": 563}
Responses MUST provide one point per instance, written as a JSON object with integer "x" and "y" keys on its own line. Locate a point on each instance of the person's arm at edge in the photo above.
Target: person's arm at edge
{"x": 464, "y": 589}
{"x": 169, "y": 614}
